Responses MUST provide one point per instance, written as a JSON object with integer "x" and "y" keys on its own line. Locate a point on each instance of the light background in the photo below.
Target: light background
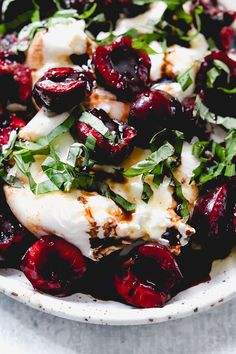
{"x": 27, "y": 331}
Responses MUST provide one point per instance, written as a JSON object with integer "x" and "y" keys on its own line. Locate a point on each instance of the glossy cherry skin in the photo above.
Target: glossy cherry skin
{"x": 15, "y": 82}
{"x": 61, "y": 89}
{"x": 146, "y": 277}
{"x": 151, "y": 111}
{"x": 14, "y": 238}
{"x": 13, "y": 122}
{"x": 194, "y": 126}
{"x": 211, "y": 218}
{"x": 218, "y": 101}
{"x": 53, "y": 265}
{"x": 121, "y": 68}
{"x": 214, "y": 20}
{"x": 107, "y": 151}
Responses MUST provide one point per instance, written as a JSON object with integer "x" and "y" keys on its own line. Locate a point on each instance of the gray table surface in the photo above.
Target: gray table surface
{"x": 27, "y": 331}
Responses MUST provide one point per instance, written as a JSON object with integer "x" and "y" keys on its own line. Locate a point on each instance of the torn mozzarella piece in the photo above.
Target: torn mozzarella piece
{"x": 157, "y": 61}
{"x": 103, "y": 99}
{"x": 78, "y": 216}
{"x": 41, "y": 125}
{"x": 174, "y": 89}
{"x": 53, "y": 48}
{"x": 145, "y": 22}
{"x": 179, "y": 59}
{"x": 176, "y": 61}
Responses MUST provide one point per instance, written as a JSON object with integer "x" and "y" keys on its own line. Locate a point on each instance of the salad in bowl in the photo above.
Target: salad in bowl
{"x": 118, "y": 145}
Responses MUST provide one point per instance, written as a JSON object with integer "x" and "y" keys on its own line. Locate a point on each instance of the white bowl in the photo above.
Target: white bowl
{"x": 84, "y": 308}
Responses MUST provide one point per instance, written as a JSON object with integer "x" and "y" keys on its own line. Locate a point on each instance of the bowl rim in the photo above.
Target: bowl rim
{"x": 84, "y": 308}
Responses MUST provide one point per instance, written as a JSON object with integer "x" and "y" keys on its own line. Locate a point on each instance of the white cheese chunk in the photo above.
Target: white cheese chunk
{"x": 41, "y": 125}
{"x": 176, "y": 61}
{"x": 76, "y": 216}
{"x": 145, "y": 22}
{"x": 157, "y": 61}
{"x": 63, "y": 40}
{"x": 103, "y": 99}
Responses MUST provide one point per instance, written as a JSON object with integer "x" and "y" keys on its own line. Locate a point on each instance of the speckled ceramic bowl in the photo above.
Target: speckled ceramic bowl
{"x": 84, "y": 308}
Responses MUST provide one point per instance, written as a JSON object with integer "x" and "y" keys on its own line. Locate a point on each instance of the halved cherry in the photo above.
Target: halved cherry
{"x": 14, "y": 238}
{"x": 218, "y": 100}
{"x": 62, "y": 88}
{"x": 153, "y": 110}
{"x": 108, "y": 150}
{"x": 121, "y": 68}
{"x": 13, "y": 122}
{"x": 193, "y": 126}
{"x": 53, "y": 265}
{"x": 15, "y": 82}
{"x": 147, "y": 275}
{"x": 212, "y": 217}
{"x": 214, "y": 19}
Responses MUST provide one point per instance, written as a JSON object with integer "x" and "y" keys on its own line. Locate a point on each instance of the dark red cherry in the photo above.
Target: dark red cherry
{"x": 195, "y": 264}
{"x": 121, "y": 68}
{"x": 13, "y": 122}
{"x": 213, "y": 19}
{"x": 15, "y": 82}
{"x": 228, "y": 38}
{"x": 147, "y": 275}
{"x": 10, "y": 234}
{"x": 194, "y": 126}
{"x": 14, "y": 238}
{"x": 211, "y": 218}
{"x": 62, "y": 88}
{"x": 53, "y": 265}
{"x": 112, "y": 149}
{"x": 218, "y": 101}
{"x": 151, "y": 111}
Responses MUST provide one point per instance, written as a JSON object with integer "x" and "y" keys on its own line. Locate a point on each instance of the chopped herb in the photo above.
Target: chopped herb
{"x": 166, "y": 147}
{"x": 147, "y": 192}
{"x": 98, "y": 125}
{"x": 216, "y": 71}
{"x": 147, "y": 166}
{"x": 90, "y": 142}
{"x": 61, "y": 129}
{"x": 215, "y": 159}
{"x": 184, "y": 204}
{"x": 201, "y": 111}
{"x": 185, "y": 79}
{"x": 88, "y": 13}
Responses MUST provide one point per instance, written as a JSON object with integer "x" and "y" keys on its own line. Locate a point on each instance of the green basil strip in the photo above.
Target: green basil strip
{"x": 185, "y": 212}
{"x": 147, "y": 192}
{"x": 61, "y": 129}
{"x": 147, "y": 165}
{"x": 97, "y": 124}
{"x": 184, "y": 79}
{"x": 41, "y": 188}
{"x": 74, "y": 153}
{"x": 90, "y": 142}
{"x": 104, "y": 190}
{"x": 200, "y": 110}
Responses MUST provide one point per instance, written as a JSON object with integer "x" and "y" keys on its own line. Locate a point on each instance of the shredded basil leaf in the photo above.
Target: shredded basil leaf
{"x": 98, "y": 125}
{"x": 147, "y": 192}
{"x": 61, "y": 129}
{"x": 201, "y": 111}
{"x": 184, "y": 79}
{"x": 215, "y": 159}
